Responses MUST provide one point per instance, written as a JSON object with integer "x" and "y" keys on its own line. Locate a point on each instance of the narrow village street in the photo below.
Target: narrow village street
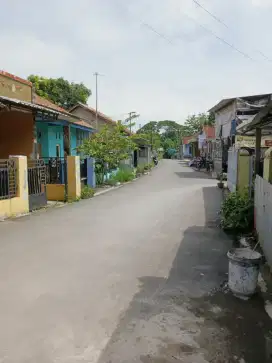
{"x": 134, "y": 275}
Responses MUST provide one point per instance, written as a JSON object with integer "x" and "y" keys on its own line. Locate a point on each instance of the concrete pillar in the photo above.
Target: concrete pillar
{"x": 73, "y": 177}
{"x": 267, "y": 171}
{"x": 19, "y": 204}
{"x": 258, "y": 142}
{"x": 91, "y": 181}
{"x": 243, "y": 173}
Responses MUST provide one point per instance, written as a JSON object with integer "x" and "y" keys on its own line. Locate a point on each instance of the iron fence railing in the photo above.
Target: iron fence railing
{"x": 36, "y": 176}
{"x": 56, "y": 170}
{"x": 8, "y": 179}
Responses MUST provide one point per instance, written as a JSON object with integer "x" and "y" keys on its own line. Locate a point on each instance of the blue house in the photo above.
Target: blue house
{"x": 57, "y": 138}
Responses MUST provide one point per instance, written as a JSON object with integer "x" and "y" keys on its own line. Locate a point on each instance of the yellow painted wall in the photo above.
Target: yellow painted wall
{"x": 20, "y": 204}
{"x": 73, "y": 177}
{"x": 243, "y": 170}
{"x": 55, "y": 192}
{"x": 11, "y": 86}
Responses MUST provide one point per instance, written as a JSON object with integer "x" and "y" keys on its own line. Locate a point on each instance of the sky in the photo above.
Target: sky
{"x": 163, "y": 59}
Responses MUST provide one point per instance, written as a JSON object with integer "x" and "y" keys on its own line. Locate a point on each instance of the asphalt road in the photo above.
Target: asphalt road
{"x": 134, "y": 275}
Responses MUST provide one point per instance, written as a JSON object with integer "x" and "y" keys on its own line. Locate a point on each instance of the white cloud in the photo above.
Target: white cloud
{"x": 143, "y": 72}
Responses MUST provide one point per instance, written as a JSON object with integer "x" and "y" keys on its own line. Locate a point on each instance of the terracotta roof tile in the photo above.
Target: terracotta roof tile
{"x": 46, "y": 103}
{"x": 15, "y": 78}
{"x": 49, "y": 104}
{"x": 92, "y": 110}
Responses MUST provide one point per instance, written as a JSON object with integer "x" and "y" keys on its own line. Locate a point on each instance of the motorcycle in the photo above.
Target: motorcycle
{"x": 201, "y": 163}
{"x": 155, "y": 160}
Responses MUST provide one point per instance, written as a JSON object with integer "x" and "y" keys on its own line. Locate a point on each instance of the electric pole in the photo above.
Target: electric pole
{"x": 131, "y": 115}
{"x": 96, "y": 74}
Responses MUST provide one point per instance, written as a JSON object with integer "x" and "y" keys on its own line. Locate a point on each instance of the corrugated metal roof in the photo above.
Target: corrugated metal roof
{"x": 224, "y": 102}
{"x": 39, "y": 106}
{"x": 25, "y": 104}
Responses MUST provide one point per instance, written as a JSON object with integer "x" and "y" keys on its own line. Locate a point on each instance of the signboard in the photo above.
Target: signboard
{"x": 13, "y": 88}
{"x": 268, "y": 143}
{"x": 249, "y": 141}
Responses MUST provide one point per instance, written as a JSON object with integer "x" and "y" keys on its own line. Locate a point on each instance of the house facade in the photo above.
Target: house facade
{"x": 206, "y": 140}
{"x": 89, "y": 114}
{"x": 186, "y": 147}
{"x": 229, "y": 113}
{"x": 61, "y": 137}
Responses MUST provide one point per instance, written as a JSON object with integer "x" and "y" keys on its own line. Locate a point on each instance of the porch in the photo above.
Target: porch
{"x": 259, "y": 130}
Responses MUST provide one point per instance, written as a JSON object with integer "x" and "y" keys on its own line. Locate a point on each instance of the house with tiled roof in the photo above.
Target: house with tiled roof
{"x": 88, "y": 113}
{"x": 60, "y": 137}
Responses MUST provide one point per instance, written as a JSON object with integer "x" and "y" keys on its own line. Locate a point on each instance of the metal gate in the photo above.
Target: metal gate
{"x": 56, "y": 170}
{"x": 83, "y": 171}
{"x": 36, "y": 184}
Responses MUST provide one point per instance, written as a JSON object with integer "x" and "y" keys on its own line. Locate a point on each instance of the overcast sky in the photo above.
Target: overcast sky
{"x": 185, "y": 70}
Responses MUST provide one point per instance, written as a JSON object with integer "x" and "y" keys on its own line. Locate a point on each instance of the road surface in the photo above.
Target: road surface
{"x": 134, "y": 275}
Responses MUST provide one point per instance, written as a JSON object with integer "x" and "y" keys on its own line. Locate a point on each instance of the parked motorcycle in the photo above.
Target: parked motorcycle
{"x": 201, "y": 163}
{"x": 155, "y": 160}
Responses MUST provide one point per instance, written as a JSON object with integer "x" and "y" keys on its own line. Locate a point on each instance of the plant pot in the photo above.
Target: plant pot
{"x": 244, "y": 266}
{"x": 220, "y": 185}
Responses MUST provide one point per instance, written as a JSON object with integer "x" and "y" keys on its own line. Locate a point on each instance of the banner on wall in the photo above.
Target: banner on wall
{"x": 249, "y": 141}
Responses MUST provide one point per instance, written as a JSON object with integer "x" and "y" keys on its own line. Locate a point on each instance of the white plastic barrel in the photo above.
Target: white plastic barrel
{"x": 244, "y": 267}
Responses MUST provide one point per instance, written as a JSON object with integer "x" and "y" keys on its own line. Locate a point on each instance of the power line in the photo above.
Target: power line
{"x": 158, "y": 33}
{"x": 223, "y": 23}
{"x": 210, "y": 13}
{"x": 221, "y": 39}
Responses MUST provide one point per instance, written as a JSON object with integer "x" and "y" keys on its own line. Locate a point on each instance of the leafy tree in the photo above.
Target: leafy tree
{"x": 151, "y": 132}
{"x": 109, "y": 146}
{"x": 194, "y": 123}
{"x": 60, "y": 91}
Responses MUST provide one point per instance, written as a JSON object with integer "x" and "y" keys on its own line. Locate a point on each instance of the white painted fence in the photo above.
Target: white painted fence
{"x": 263, "y": 215}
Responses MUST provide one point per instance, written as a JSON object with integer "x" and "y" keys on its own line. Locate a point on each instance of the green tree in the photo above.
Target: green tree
{"x": 151, "y": 132}
{"x": 109, "y": 146}
{"x": 60, "y": 91}
{"x": 194, "y": 123}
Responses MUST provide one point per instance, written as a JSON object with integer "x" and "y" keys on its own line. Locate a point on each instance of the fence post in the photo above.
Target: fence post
{"x": 20, "y": 204}
{"x": 91, "y": 182}
{"x": 73, "y": 177}
{"x": 267, "y": 170}
{"x": 243, "y": 177}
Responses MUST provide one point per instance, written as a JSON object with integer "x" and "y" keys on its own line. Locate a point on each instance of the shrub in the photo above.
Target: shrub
{"x": 237, "y": 212}
{"x": 124, "y": 175}
{"x": 140, "y": 169}
{"x": 148, "y": 167}
{"x": 111, "y": 181}
{"x": 87, "y": 192}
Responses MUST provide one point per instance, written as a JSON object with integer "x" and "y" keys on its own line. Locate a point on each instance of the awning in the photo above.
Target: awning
{"x": 13, "y": 102}
{"x": 262, "y": 120}
{"x": 70, "y": 119}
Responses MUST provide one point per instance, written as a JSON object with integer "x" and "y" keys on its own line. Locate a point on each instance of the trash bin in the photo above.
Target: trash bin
{"x": 244, "y": 267}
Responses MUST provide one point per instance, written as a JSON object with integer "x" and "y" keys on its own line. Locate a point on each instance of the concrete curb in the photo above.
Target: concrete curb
{"x": 107, "y": 190}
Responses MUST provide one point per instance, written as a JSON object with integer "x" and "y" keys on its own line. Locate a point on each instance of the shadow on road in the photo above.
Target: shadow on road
{"x": 192, "y": 174}
{"x": 190, "y": 316}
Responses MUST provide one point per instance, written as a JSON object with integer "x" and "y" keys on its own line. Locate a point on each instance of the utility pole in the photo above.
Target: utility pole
{"x": 131, "y": 116}
{"x": 96, "y": 74}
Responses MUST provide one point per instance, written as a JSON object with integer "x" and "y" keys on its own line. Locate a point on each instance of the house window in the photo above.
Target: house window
{"x": 81, "y": 136}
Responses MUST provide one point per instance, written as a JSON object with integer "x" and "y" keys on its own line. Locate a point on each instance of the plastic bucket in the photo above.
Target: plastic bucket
{"x": 244, "y": 267}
